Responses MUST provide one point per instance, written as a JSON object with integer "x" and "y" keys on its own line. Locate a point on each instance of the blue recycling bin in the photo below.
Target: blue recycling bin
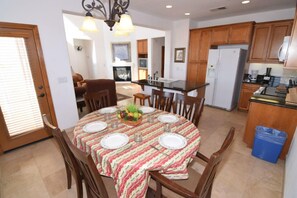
{"x": 268, "y": 143}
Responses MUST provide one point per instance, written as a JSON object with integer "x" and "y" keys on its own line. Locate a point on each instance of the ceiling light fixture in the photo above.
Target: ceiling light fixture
{"x": 117, "y": 13}
{"x": 169, "y": 6}
{"x": 245, "y": 2}
{"x": 187, "y": 13}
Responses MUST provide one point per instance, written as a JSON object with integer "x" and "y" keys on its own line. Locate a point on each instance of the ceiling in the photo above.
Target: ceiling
{"x": 200, "y": 9}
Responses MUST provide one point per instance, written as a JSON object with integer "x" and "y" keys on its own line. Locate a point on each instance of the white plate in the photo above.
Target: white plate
{"x": 93, "y": 127}
{"x": 145, "y": 109}
{"x": 172, "y": 141}
{"x": 107, "y": 110}
{"x": 167, "y": 118}
{"x": 114, "y": 140}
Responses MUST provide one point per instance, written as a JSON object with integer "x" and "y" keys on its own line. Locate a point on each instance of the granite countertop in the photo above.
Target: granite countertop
{"x": 249, "y": 82}
{"x": 272, "y": 100}
{"x": 178, "y": 85}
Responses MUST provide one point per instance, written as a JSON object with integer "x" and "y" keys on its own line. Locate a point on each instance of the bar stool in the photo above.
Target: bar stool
{"x": 142, "y": 97}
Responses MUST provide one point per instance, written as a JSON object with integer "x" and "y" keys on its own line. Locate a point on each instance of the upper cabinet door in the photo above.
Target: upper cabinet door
{"x": 267, "y": 40}
{"x": 142, "y": 47}
{"x": 241, "y": 33}
{"x": 278, "y": 32}
{"x": 205, "y": 41}
{"x": 260, "y": 43}
{"x": 220, "y": 35}
{"x": 194, "y": 45}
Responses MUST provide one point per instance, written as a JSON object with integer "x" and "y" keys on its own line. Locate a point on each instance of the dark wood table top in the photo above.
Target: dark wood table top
{"x": 179, "y": 85}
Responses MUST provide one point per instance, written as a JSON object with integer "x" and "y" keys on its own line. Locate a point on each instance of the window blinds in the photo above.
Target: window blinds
{"x": 18, "y": 99}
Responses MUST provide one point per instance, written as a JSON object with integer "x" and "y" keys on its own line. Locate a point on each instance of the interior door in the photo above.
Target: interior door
{"x": 25, "y": 94}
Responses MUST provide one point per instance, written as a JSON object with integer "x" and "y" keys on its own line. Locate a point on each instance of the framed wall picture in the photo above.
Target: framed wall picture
{"x": 179, "y": 55}
{"x": 121, "y": 52}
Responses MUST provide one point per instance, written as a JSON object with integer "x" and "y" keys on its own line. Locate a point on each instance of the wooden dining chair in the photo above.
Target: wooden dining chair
{"x": 197, "y": 185}
{"x": 188, "y": 107}
{"x": 71, "y": 165}
{"x": 97, "y": 100}
{"x": 97, "y": 186}
{"x": 162, "y": 100}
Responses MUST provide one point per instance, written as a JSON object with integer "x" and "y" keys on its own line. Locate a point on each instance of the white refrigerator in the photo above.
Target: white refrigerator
{"x": 224, "y": 74}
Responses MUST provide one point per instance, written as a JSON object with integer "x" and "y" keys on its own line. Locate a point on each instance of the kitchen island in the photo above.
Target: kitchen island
{"x": 273, "y": 112}
{"x": 180, "y": 85}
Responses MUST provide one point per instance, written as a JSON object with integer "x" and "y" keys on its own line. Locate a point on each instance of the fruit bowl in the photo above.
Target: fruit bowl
{"x": 130, "y": 115}
{"x": 131, "y": 123}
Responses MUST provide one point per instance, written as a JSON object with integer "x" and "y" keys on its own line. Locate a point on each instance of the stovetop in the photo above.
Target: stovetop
{"x": 272, "y": 91}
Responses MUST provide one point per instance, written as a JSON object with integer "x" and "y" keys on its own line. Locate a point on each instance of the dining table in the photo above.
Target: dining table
{"x": 129, "y": 165}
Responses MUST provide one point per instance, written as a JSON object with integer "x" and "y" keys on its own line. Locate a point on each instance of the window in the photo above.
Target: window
{"x": 18, "y": 99}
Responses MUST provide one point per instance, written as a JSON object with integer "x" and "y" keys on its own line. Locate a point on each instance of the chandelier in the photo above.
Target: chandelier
{"x": 117, "y": 15}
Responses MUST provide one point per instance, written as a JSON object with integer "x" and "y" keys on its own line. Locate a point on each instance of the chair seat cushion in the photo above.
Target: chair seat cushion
{"x": 190, "y": 184}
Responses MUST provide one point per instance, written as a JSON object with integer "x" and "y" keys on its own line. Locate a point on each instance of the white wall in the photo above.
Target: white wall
{"x": 180, "y": 39}
{"x": 72, "y": 24}
{"x": 257, "y": 17}
{"x": 290, "y": 190}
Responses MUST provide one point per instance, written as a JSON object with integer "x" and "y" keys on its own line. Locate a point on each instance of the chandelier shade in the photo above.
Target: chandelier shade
{"x": 117, "y": 13}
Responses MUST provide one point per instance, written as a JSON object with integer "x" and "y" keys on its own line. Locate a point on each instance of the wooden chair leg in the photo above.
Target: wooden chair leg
{"x": 79, "y": 187}
{"x": 134, "y": 100}
{"x": 68, "y": 173}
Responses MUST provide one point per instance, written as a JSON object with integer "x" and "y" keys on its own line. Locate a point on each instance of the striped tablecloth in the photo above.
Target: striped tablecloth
{"x": 129, "y": 166}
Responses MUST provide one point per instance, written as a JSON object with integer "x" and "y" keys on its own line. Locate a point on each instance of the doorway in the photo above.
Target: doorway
{"x": 25, "y": 93}
{"x": 158, "y": 56}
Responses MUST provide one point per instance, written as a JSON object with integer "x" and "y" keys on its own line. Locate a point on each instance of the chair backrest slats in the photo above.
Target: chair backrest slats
{"x": 97, "y": 100}
{"x": 189, "y": 107}
{"x": 162, "y": 100}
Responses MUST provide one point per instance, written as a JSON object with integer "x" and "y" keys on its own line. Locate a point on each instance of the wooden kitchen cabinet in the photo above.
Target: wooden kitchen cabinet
{"x": 247, "y": 91}
{"x": 142, "y": 47}
{"x": 220, "y": 35}
{"x": 278, "y": 32}
{"x": 202, "y": 39}
{"x": 205, "y": 42}
{"x": 272, "y": 116}
{"x": 267, "y": 39}
{"x": 195, "y": 37}
{"x": 291, "y": 62}
{"x": 196, "y": 72}
{"x": 241, "y": 33}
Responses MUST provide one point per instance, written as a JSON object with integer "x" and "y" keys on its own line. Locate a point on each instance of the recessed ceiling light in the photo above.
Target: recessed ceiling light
{"x": 169, "y": 6}
{"x": 187, "y": 13}
{"x": 245, "y": 2}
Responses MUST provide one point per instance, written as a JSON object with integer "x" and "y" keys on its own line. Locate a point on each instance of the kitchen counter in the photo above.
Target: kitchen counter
{"x": 270, "y": 111}
{"x": 179, "y": 85}
{"x": 255, "y": 83}
{"x": 272, "y": 98}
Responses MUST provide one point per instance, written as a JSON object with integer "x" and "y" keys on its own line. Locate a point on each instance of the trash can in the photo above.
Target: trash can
{"x": 268, "y": 143}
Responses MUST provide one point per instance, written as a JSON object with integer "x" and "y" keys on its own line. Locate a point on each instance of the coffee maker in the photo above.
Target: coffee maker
{"x": 267, "y": 76}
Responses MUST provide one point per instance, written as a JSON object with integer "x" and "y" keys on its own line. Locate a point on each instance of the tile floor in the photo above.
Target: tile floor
{"x": 37, "y": 170}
